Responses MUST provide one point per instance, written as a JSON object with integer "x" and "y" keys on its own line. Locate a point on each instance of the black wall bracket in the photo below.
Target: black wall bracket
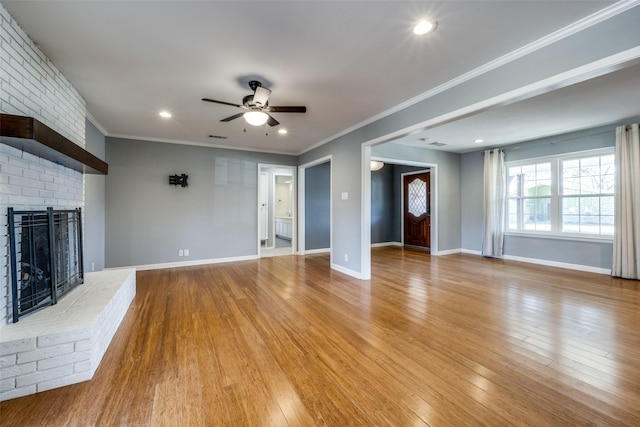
{"x": 180, "y": 180}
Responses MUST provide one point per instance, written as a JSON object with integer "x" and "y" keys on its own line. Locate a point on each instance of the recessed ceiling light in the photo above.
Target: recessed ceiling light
{"x": 165, "y": 114}
{"x": 478, "y": 141}
{"x": 425, "y": 27}
{"x": 282, "y": 131}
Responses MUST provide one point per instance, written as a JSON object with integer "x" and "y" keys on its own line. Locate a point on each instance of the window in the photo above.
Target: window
{"x": 570, "y": 194}
{"x": 529, "y": 197}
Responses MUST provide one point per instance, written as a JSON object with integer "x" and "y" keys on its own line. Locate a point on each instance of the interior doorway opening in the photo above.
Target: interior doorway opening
{"x": 315, "y": 207}
{"x": 276, "y": 210}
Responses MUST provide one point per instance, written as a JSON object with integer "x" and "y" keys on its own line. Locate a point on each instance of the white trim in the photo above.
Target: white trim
{"x": 471, "y": 252}
{"x": 274, "y": 170}
{"x": 201, "y": 144}
{"x": 448, "y": 252}
{"x": 317, "y": 251}
{"x": 383, "y": 244}
{"x": 347, "y": 271}
{"x": 190, "y": 263}
{"x": 301, "y": 212}
{"x": 566, "y": 265}
{"x": 580, "y": 25}
{"x": 545, "y": 262}
{"x": 95, "y": 123}
{"x": 365, "y": 211}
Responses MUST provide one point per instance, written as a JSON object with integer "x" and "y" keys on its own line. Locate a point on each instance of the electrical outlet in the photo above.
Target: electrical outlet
{"x": 346, "y": 257}
{"x": 180, "y": 252}
{"x": 186, "y": 252}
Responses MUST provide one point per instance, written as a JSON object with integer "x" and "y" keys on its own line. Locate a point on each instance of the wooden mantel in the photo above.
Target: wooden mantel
{"x": 30, "y": 135}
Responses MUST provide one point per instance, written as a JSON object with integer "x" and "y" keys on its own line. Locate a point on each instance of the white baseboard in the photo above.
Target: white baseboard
{"x": 316, "y": 251}
{"x": 578, "y": 267}
{"x": 379, "y": 245}
{"x": 471, "y": 252}
{"x": 347, "y": 271}
{"x": 569, "y": 266}
{"x": 195, "y": 262}
{"x": 449, "y": 252}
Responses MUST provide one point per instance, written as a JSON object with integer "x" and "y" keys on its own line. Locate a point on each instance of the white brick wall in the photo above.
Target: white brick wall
{"x": 30, "y": 85}
{"x": 64, "y": 344}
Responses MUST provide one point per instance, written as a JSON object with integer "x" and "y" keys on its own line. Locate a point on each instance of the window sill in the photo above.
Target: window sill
{"x": 574, "y": 237}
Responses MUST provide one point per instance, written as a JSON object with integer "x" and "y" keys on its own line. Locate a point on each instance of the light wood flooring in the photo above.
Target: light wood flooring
{"x": 454, "y": 340}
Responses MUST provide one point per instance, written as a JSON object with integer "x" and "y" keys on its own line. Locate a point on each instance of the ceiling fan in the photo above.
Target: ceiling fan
{"x": 256, "y": 107}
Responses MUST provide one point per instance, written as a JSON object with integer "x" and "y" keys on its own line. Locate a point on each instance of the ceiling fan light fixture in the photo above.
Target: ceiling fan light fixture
{"x": 376, "y": 166}
{"x": 256, "y": 118}
{"x": 425, "y": 27}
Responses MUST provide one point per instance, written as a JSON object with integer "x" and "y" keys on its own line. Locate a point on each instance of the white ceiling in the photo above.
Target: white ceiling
{"x": 347, "y": 61}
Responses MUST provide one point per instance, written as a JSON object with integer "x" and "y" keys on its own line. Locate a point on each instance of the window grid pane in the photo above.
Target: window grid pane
{"x": 592, "y": 180}
{"x": 583, "y": 205}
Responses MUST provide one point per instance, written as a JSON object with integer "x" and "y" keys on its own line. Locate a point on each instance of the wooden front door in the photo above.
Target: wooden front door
{"x": 417, "y": 219}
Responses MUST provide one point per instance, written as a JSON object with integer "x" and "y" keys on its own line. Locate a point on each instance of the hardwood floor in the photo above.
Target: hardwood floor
{"x": 452, "y": 340}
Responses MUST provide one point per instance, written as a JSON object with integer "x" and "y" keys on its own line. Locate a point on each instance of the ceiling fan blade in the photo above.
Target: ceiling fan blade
{"x": 284, "y": 109}
{"x": 235, "y": 116}
{"x": 261, "y": 96}
{"x": 222, "y": 102}
{"x": 272, "y": 122}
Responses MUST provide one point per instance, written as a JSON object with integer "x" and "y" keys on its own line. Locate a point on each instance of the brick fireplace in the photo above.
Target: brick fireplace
{"x": 64, "y": 343}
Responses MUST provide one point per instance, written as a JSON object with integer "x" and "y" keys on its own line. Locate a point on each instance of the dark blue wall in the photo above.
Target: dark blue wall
{"x": 317, "y": 183}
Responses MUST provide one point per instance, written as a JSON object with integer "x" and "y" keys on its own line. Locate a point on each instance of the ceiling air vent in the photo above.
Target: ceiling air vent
{"x": 437, "y": 144}
{"x": 217, "y": 137}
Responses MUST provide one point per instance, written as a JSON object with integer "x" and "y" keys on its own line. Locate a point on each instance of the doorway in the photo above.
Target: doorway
{"x": 315, "y": 207}
{"x": 276, "y": 210}
{"x": 417, "y": 210}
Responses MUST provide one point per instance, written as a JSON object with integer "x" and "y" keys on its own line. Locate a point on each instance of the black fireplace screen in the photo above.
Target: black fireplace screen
{"x": 46, "y": 257}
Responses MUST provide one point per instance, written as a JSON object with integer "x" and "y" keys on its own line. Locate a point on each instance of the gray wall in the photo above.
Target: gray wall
{"x": 148, "y": 220}
{"x": 317, "y": 219}
{"x": 383, "y": 205}
{"x": 471, "y": 188}
{"x": 565, "y": 250}
{"x": 94, "y": 204}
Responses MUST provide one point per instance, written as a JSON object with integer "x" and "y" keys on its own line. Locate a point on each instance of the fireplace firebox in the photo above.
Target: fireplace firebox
{"x": 45, "y": 248}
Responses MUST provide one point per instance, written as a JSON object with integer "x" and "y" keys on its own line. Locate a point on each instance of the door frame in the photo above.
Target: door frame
{"x": 365, "y": 200}
{"x": 402, "y": 175}
{"x": 273, "y": 170}
{"x": 301, "y": 204}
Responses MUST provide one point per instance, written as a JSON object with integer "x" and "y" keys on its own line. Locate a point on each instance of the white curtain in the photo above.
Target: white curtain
{"x": 626, "y": 236}
{"x": 493, "y": 203}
